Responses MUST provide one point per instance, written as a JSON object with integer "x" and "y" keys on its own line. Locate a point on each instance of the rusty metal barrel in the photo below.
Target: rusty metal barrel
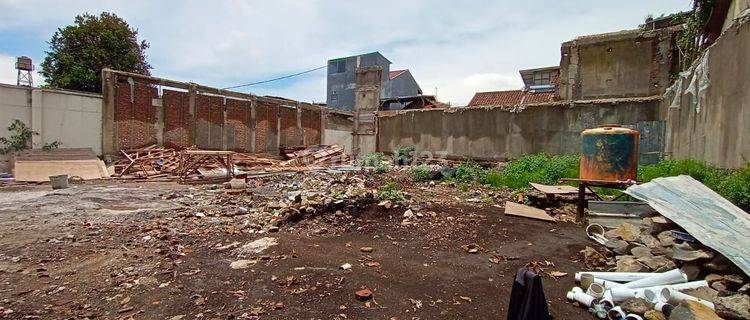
{"x": 610, "y": 153}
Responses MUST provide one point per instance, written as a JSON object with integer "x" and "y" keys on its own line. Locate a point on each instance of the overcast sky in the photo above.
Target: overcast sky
{"x": 458, "y": 47}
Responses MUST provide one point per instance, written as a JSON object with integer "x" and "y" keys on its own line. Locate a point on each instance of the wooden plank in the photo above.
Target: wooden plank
{"x": 520, "y": 210}
{"x": 39, "y": 171}
{"x": 561, "y": 189}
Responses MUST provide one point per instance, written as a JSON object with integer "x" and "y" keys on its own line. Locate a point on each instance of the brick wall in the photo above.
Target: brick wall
{"x": 311, "y": 126}
{"x": 135, "y": 116}
{"x": 205, "y": 118}
{"x": 290, "y": 135}
{"x": 176, "y": 119}
{"x": 238, "y": 125}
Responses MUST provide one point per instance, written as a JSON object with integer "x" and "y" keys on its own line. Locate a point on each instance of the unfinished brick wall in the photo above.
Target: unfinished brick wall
{"x": 209, "y": 122}
{"x": 135, "y": 115}
{"x": 188, "y": 114}
{"x": 311, "y": 126}
{"x": 238, "y": 125}
{"x": 290, "y": 135}
{"x": 176, "y": 119}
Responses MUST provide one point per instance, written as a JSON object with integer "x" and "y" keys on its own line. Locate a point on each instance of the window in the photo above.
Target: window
{"x": 334, "y": 96}
{"x": 541, "y": 78}
{"x": 337, "y": 66}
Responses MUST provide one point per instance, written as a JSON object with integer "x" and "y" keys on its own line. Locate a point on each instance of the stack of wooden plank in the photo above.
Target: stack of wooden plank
{"x": 38, "y": 165}
{"x": 148, "y": 162}
{"x": 318, "y": 156}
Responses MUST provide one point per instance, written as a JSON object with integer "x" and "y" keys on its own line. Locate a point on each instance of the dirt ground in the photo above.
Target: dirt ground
{"x": 115, "y": 250}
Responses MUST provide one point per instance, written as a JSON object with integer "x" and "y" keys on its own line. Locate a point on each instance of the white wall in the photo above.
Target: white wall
{"x": 72, "y": 118}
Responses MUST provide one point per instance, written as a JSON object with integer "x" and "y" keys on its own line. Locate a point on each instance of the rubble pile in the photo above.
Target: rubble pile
{"x": 155, "y": 162}
{"x": 681, "y": 271}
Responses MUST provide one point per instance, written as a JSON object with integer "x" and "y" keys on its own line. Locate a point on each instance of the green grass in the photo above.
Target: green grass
{"x": 736, "y": 187}
{"x": 391, "y": 192}
{"x": 375, "y": 159}
{"x": 419, "y": 173}
{"x": 706, "y": 174}
{"x": 539, "y": 168}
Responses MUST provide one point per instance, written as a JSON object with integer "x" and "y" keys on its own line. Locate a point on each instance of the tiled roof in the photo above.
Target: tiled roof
{"x": 395, "y": 73}
{"x": 509, "y": 98}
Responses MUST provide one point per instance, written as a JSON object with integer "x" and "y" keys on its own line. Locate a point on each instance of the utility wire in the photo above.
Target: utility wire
{"x": 275, "y": 79}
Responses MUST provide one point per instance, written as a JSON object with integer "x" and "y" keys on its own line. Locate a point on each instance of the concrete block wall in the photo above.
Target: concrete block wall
{"x": 717, "y": 129}
{"x": 497, "y": 134}
{"x": 72, "y": 118}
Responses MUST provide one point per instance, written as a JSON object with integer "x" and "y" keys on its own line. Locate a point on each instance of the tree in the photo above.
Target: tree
{"x": 79, "y": 52}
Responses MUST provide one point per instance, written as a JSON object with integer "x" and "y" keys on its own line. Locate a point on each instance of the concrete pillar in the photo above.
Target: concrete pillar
{"x": 159, "y": 105}
{"x": 192, "y": 92}
{"x": 109, "y": 134}
{"x": 323, "y": 123}
{"x": 37, "y": 117}
{"x": 299, "y": 129}
{"x": 366, "y": 103}
{"x": 253, "y": 126}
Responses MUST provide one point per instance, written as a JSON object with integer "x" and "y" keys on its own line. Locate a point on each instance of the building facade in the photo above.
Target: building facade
{"x": 340, "y": 85}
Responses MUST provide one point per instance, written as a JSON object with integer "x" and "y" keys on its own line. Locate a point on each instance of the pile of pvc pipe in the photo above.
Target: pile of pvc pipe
{"x": 601, "y": 292}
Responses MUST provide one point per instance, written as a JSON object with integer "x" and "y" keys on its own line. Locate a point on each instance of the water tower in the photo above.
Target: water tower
{"x": 25, "y": 67}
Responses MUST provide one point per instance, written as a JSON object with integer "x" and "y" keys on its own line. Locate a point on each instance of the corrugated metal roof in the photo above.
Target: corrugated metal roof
{"x": 707, "y": 216}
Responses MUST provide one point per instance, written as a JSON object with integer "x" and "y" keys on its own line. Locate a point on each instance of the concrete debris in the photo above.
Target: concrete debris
{"x": 363, "y": 295}
{"x": 636, "y": 305}
{"x": 242, "y": 264}
{"x": 654, "y": 315}
{"x": 257, "y": 246}
{"x": 692, "y": 310}
{"x": 733, "y": 307}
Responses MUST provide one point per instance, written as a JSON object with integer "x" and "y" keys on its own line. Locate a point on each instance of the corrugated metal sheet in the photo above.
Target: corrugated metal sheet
{"x": 707, "y": 216}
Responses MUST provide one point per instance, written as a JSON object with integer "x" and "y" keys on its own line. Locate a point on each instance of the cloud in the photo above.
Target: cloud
{"x": 459, "y": 47}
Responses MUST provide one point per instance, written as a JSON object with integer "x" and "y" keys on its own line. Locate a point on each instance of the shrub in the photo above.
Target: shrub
{"x": 736, "y": 187}
{"x": 390, "y": 192}
{"x": 374, "y": 159}
{"x": 405, "y": 155}
{"x": 706, "y": 174}
{"x": 470, "y": 171}
{"x": 539, "y": 168}
{"x": 419, "y": 173}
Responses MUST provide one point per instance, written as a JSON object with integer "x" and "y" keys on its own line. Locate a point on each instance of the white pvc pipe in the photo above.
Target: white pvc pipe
{"x": 595, "y": 290}
{"x": 616, "y": 276}
{"x": 607, "y": 299}
{"x": 675, "y": 297}
{"x": 633, "y": 316}
{"x": 661, "y": 279}
{"x": 616, "y": 313}
{"x": 664, "y": 307}
{"x": 621, "y": 293}
{"x": 581, "y": 297}
{"x": 652, "y": 295}
{"x": 586, "y": 280}
{"x": 607, "y": 284}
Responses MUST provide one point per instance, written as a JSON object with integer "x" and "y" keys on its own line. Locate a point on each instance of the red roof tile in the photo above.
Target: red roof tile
{"x": 509, "y": 98}
{"x": 395, "y": 73}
